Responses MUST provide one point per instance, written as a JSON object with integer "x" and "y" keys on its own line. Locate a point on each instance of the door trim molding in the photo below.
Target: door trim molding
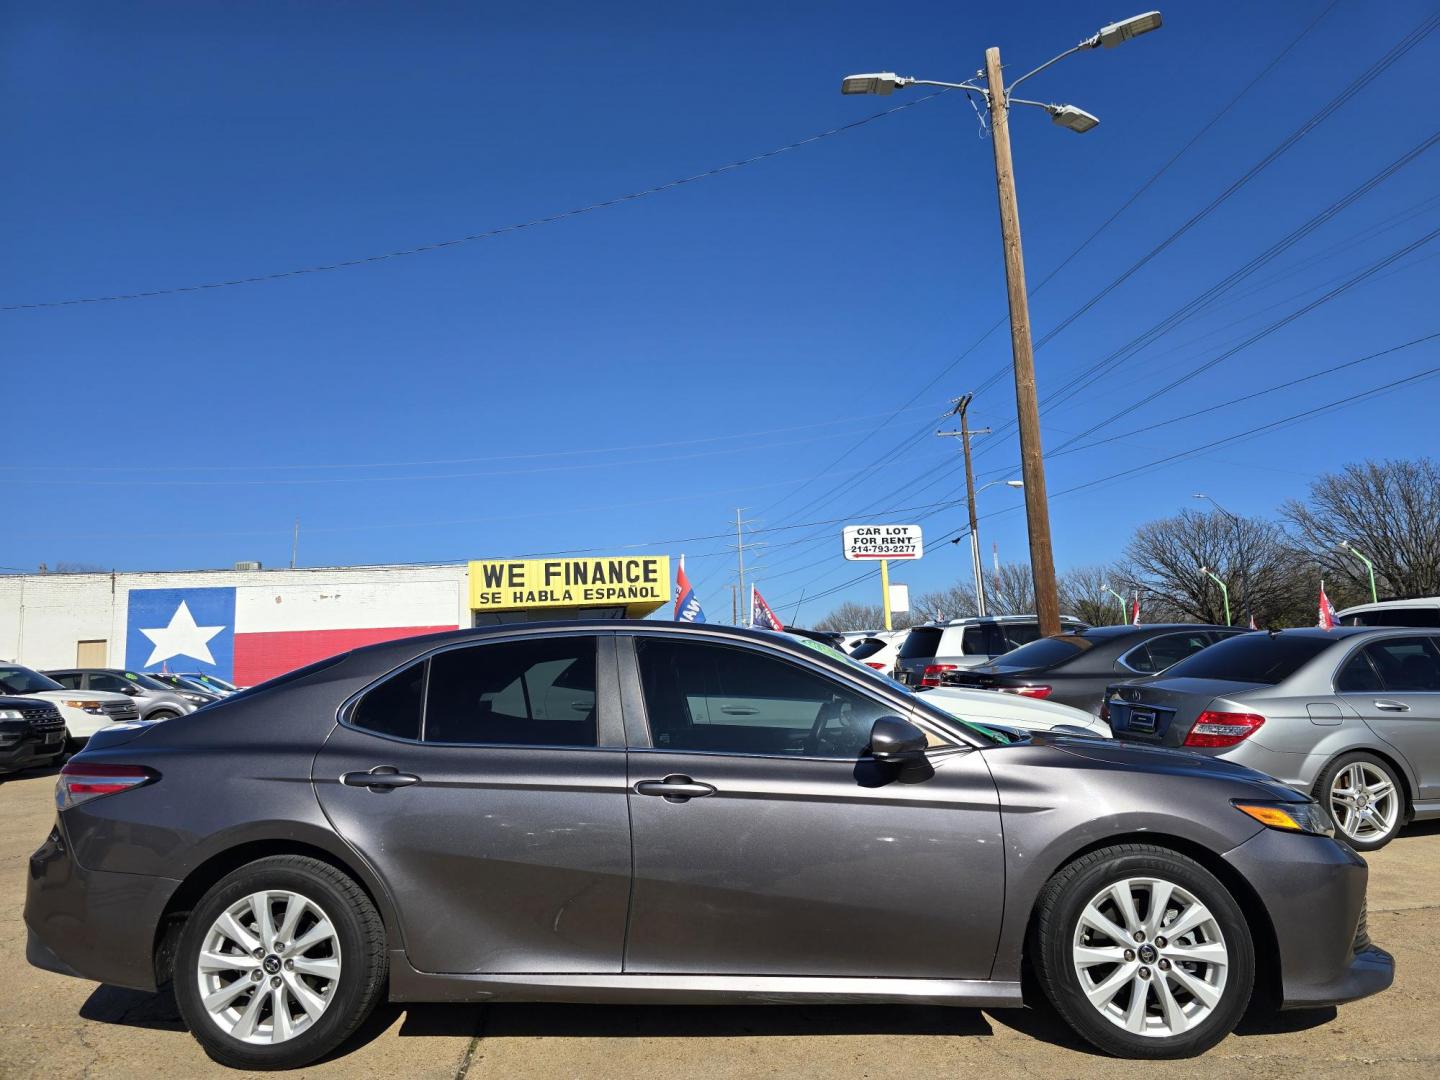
{"x": 407, "y": 984}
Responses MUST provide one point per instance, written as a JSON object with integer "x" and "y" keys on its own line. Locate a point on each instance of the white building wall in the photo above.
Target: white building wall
{"x": 44, "y": 616}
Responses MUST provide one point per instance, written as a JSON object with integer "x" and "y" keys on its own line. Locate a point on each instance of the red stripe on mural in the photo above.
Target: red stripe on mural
{"x": 263, "y": 656}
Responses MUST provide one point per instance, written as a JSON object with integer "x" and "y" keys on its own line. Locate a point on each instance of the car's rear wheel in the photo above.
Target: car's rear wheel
{"x": 162, "y": 714}
{"x": 1365, "y": 799}
{"x": 279, "y": 963}
{"x": 1144, "y": 952}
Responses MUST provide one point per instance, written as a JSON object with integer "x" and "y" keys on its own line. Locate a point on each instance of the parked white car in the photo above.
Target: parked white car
{"x": 1009, "y": 710}
{"x": 85, "y": 711}
{"x": 879, "y": 650}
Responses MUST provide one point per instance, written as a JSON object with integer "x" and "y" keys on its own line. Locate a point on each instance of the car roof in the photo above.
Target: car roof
{"x": 1387, "y": 605}
{"x": 981, "y": 620}
{"x": 1127, "y": 629}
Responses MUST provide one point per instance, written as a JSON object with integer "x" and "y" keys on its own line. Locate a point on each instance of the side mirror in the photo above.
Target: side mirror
{"x": 897, "y": 741}
{"x": 133, "y": 691}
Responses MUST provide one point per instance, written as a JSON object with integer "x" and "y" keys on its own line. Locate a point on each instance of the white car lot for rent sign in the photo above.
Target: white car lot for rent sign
{"x": 864, "y": 543}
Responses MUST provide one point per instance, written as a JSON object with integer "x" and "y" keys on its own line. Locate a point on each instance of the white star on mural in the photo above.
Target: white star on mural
{"x": 181, "y": 638}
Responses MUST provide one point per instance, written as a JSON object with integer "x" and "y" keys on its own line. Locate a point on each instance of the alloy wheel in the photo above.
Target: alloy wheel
{"x": 1150, "y": 957}
{"x": 1364, "y": 802}
{"x": 269, "y": 967}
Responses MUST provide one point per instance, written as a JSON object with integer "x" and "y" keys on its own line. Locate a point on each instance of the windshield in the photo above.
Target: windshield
{"x": 139, "y": 678}
{"x": 868, "y": 647}
{"x": 211, "y": 680}
{"x": 21, "y": 680}
{"x": 1047, "y": 652}
{"x": 891, "y": 684}
{"x": 1266, "y": 659}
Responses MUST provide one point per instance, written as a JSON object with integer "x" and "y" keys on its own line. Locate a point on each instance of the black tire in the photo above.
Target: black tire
{"x": 162, "y": 714}
{"x": 359, "y": 931}
{"x": 1326, "y": 782}
{"x": 1061, "y": 904}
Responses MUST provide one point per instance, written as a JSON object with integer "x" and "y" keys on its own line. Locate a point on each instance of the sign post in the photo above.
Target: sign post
{"x": 881, "y": 543}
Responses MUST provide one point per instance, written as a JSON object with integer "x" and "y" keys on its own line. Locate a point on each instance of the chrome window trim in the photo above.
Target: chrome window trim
{"x": 1391, "y": 632}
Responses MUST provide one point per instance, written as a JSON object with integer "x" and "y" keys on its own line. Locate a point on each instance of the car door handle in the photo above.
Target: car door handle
{"x": 1392, "y": 706}
{"x": 674, "y": 788}
{"x": 379, "y": 778}
{"x": 738, "y": 710}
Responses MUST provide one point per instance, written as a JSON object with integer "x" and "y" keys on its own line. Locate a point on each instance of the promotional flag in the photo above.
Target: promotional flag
{"x": 761, "y": 617}
{"x": 1252, "y": 623}
{"x": 1135, "y": 611}
{"x": 1328, "y": 621}
{"x": 687, "y": 608}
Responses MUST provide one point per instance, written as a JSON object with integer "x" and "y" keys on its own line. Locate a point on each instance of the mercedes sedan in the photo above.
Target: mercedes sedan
{"x": 1351, "y": 714}
{"x": 653, "y": 812}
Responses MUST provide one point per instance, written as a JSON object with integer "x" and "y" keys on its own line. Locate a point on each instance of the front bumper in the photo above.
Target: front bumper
{"x": 29, "y": 751}
{"x": 1313, "y": 890}
{"x": 89, "y": 923}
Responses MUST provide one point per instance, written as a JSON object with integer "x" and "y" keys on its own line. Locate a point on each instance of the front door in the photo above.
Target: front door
{"x": 486, "y": 786}
{"x": 795, "y": 854}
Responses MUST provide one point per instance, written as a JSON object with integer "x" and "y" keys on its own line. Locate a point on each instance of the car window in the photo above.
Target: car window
{"x": 920, "y": 642}
{"x": 976, "y": 642}
{"x": 1359, "y": 676}
{"x": 102, "y": 680}
{"x": 1159, "y": 653}
{"x": 1017, "y": 634}
{"x": 731, "y": 700}
{"x": 1046, "y": 652}
{"x": 68, "y": 681}
{"x": 22, "y": 680}
{"x": 1395, "y": 616}
{"x": 867, "y": 647}
{"x": 393, "y": 707}
{"x": 535, "y": 692}
{"x": 1406, "y": 665}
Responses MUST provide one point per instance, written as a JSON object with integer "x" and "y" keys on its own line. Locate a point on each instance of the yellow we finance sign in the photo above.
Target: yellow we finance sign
{"x": 634, "y": 580}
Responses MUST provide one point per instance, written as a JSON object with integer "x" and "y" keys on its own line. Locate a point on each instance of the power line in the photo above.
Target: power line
{"x": 421, "y": 249}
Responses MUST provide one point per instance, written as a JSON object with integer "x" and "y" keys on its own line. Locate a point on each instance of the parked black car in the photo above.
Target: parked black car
{"x": 1075, "y": 667}
{"x": 32, "y": 733}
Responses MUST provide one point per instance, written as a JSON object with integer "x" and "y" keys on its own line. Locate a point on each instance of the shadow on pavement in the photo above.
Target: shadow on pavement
{"x": 1271, "y": 1022}
{"x": 132, "y": 1008}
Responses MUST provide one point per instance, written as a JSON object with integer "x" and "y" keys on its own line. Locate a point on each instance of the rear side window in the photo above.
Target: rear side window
{"x": 537, "y": 692}
{"x": 921, "y": 642}
{"x": 1406, "y": 665}
{"x": 1018, "y": 633}
{"x": 1358, "y": 676}
{"x": 1396, "y": 616}
{"x": 1264, "y": 659}
{"x": 393, "y": 708}
{"x": 983, "y": 641}
{"x": 1161, "y": 652}
{"x": 70, "y": 682}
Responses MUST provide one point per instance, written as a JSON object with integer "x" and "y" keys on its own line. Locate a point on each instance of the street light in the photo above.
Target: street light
{"x": 1027, "y": 408}
{"x": 1370, "y": 566}
{"x": 974, "y": 533}
{"x": 1105, "y": 587}
{"x": 1240, "y": 551}
{"x": 1224, "y": 590}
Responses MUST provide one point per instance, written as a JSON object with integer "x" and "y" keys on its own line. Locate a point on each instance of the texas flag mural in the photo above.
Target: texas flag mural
{"x": 249, "y": 634}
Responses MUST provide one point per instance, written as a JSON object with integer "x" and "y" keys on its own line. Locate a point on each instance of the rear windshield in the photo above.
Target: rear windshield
{"x": 868, "y": 647}
{"x": 1265, "y": 659}
{"x": 922, "y": 641}
{"x": 1046, "y": 652}
{"x": 1398, "y": 616}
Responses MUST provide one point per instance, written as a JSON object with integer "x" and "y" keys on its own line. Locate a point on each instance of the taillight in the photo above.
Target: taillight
{"x": 1223, "y": 728}
{"x": 1027, "y": 691}
{"x": 932, "y": 673}
{"x": 1105, "y": 710}
{"x": 876, "y": 666}
{"x": 81, "y": 781}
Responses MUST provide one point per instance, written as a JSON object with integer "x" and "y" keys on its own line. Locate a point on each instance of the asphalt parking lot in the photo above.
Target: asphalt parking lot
{"x": 55, "y": 1026}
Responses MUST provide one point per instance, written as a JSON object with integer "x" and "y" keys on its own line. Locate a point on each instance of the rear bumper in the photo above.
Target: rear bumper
{"x": 1313, "y": 891}
{"x": 92, "y": 924}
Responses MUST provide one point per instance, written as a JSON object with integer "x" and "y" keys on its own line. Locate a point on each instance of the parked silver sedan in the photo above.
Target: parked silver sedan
{"x": 1350, "y": 714}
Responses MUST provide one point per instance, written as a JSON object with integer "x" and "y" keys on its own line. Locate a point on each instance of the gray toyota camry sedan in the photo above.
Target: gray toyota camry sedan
{"x": 661, "y": 812}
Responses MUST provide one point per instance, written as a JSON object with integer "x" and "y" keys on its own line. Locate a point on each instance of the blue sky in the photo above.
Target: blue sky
{"x": 626, "y": 378}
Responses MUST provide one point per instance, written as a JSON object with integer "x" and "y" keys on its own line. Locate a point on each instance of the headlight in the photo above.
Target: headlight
{"x": 1301, "y": 817}
{"x": 88, "y": 706}
{"x": 11, "y": 714}
{"x": 195, "y": 699}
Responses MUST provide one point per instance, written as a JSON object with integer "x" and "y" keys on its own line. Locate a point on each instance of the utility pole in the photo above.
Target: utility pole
{"x": 962, "y": 406}
{"x": 295, "y": 544}
{"x": 1027, "y": 409}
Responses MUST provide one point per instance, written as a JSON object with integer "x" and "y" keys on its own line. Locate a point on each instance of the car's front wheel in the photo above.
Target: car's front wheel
{"x": 279, "y": 963}
{"x": 1144, "y": 952}
{"x": 1365, "y": 799}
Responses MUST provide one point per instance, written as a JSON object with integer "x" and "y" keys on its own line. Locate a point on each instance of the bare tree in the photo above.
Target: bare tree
{"x": 955, "y": 602}
{"x": 853, "y": 615}
{"x": 1390, "y": 510}
{"x": 1166, "y": 559}
{"x": 1083, "y": 593}
{"x": 1010, "y": 590}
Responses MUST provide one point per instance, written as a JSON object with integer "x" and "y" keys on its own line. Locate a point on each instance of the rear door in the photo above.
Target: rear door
{"x": 486, "y": 787}
{"x": 789, "y": 851}
{"x": 1394, "y": 684}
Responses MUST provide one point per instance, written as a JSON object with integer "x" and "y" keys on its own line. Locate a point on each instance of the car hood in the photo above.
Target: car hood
{"x": 1155, "y": 759}
{"x": 79, "y": 695}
